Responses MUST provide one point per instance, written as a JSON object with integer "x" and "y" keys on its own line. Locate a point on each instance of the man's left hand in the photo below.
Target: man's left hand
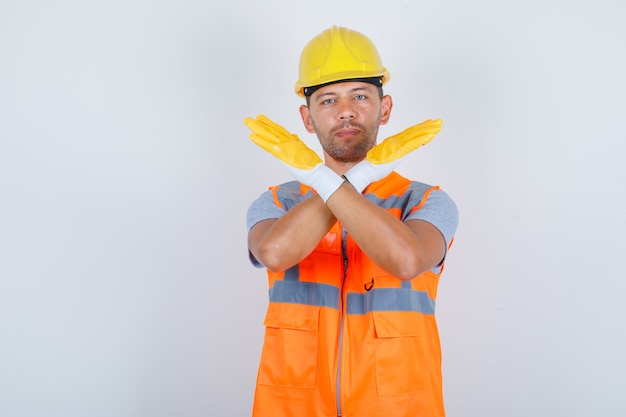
{"x": 384, "y": 157}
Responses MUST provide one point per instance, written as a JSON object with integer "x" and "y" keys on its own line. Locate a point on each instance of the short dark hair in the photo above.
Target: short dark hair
{"x": 380, "y": 95}
{"x": 376, "y": 81}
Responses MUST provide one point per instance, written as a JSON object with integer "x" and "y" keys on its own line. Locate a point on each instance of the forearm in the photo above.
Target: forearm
{"x": 281, "y": 243}
{"x": 387, "y": 241}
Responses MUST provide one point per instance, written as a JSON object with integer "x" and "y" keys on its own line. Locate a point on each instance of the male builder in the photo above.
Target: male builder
{"x": 353, "y": 250}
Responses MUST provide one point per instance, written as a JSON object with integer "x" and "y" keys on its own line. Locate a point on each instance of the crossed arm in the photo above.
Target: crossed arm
{"x": 404, "y": 250}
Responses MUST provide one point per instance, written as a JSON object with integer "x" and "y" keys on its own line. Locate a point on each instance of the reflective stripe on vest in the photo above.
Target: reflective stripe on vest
{"x": 291, "y": 290}
{"x": 391, "y": 299}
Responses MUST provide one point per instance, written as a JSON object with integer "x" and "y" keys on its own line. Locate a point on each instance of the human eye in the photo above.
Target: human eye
{"x": 360, "y": 97}
{"x": 328, "y": 101}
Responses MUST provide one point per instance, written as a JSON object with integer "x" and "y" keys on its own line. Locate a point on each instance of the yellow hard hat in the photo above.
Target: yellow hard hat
{"x": 338, "y": 54}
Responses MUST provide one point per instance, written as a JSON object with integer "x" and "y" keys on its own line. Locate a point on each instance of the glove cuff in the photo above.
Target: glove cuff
{"x": 321, "y": 178}
{"x": 360, "y": 175}
{"x": 325, "y": 181}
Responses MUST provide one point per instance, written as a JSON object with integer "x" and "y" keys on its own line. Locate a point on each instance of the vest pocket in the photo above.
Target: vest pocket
{"x": 289, "y": 356}
{"x": 401, "y": 364}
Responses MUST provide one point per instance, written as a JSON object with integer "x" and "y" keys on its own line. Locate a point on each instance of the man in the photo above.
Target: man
{"x": 352, "y": 249}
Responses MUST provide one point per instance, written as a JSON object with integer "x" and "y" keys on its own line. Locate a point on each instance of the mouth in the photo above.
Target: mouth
{"x": 347, "y": 131}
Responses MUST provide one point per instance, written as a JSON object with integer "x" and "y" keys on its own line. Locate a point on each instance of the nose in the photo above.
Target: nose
{"x": 346, "y": 110}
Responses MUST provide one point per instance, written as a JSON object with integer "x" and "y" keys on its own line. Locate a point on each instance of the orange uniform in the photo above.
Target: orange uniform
{"x": 345, "y": 337}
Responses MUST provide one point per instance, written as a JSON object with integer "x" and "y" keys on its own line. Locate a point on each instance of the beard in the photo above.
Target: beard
{"x": 353, "y": 150}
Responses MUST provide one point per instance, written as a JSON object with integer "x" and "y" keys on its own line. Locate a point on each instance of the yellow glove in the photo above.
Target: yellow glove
{"x": 300, "y": 160}
{"x": 384, "y": 157}
{"x": 281, "y": 143}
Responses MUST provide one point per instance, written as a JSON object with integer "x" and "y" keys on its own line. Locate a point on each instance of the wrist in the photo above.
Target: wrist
{"x": 325, "y": 181}
{"x": 359, "y": 175}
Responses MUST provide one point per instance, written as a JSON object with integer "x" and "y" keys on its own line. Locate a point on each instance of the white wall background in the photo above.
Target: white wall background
{"x": 126, "y": 171}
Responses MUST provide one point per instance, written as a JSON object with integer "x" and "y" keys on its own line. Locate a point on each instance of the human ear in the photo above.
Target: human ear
{"x": 305, "y": 114}
{"x": 385, "y": 109}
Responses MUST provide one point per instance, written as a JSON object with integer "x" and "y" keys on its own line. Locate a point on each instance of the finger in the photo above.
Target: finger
{"x": 415, "y": 142}
{"x": 254, "y": 125}
{"x": 292, "y": 154}
{"x": 263, "y": 130}
{"x": 396, "y": 147}
{"x": 431, "y": 127}
{"x": 275, "y": 127}
{"x": 262, "y": 142}
{"x": 269, "y": 147}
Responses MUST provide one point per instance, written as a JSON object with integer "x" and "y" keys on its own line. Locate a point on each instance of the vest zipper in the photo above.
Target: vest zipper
{"x": 344, "y": 254}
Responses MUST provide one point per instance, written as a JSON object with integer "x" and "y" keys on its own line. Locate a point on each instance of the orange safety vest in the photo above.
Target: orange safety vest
{"x": 344, "y": 336}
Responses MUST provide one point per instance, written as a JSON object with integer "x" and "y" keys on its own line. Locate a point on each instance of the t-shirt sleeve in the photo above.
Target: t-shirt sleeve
{"x": 262, "y": 208}
{"x": 441, "y": 211}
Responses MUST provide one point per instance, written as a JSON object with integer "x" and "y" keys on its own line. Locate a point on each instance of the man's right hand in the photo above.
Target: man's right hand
{"x": 300, "y": 160}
